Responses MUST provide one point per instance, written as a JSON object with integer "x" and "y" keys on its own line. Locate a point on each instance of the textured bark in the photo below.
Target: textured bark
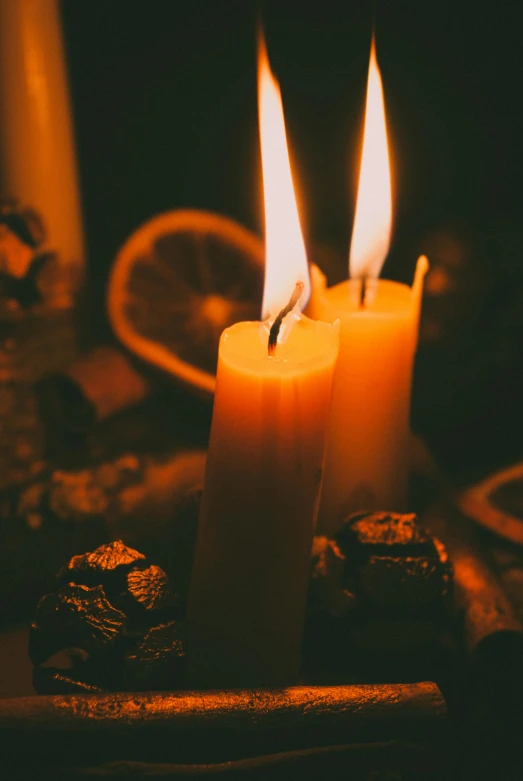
{"x": 492, "y": 631}
{"x": 218, "y": 725}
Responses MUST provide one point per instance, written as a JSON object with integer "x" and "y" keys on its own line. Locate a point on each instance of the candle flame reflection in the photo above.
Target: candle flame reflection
{"x": 285, "y": 255}
{"x": 373, "y": 218}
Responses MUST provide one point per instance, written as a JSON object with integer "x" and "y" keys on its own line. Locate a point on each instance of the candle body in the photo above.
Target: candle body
{"x": 367, "y": 466}
{"x": 37, "y": 163}
{"x": 264, "y": 467}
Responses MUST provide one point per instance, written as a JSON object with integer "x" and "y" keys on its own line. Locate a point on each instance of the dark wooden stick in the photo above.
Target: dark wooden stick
{"x": 219, "y": 725}
{"x": 314, "y": 763}
{"x": 493, "y": 633}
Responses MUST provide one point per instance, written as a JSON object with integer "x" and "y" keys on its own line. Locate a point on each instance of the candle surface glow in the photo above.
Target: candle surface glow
{"x": 251, "y": 571}
{"x": 368, "y": 437}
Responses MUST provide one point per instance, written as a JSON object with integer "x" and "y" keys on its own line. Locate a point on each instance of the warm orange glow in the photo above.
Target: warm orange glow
{"x": 285, "y": 256}
{"x": 373, "y": 218}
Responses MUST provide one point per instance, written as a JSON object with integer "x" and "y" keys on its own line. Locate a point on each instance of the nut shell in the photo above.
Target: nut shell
{"x": 112, "y": 622}
{"x": 76, "y": 616}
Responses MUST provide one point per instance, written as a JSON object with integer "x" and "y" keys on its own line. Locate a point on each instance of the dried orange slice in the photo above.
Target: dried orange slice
{"x": 497, "y": 503}
{"x": 176, "y": 283}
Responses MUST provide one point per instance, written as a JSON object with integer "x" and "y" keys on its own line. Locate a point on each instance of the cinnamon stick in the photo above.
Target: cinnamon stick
{"x": 219, "y": 726}
{"x": 327, "y": 762}
{"x": 493, "y": 634}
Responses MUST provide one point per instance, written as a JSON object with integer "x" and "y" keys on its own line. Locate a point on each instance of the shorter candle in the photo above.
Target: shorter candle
{"x": 273, "y": 386}
{"x": 367, "y": 464}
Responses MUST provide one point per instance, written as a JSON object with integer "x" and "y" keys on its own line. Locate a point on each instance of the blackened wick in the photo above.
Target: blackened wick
{"x": 275, "y": 327}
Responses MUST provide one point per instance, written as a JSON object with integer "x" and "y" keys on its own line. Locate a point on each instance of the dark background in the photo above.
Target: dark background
{"x": 164, "y": 96}
{"x": 165, "y": 108}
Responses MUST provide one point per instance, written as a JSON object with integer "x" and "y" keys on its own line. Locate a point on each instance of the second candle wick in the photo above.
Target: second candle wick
{"x": 363, "y": 291}
{"x": 275, "y": 327}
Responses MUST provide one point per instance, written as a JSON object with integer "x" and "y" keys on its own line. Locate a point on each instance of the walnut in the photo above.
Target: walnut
{"x": 113, "y": 623}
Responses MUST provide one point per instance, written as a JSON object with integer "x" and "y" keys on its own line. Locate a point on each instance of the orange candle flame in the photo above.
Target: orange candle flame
{"x": 285, "y": 255}
{"x": 373, "y": 219}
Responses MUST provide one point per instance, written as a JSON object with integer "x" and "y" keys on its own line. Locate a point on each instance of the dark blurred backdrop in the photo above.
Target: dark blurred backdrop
{"x": 165, "y": 108}
{"x": 164, "y": 96}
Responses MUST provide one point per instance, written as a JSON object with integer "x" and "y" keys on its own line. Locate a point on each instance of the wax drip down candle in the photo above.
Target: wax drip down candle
{"x": 367, "y": 443}
{"x": 273, "y": 387}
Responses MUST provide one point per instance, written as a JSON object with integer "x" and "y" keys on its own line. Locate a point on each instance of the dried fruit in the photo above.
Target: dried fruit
{"x": 150, "y": 588}
{"x": 106, "y": 558}
{"x": 113, "y": 621}
{"x": 158, "y": 658}
{"x": 75, "y": 616}
{"x": 176, "y": 283}
{"x": 328, "y": 588}
{"x": 384, "y": 529}
{"x": 395, "y": 563}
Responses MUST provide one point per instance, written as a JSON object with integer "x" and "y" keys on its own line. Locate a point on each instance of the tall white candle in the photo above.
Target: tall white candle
{"x": 259, "y": 506}
{"x": 251, "y": 568}
{"x": 37, "y": 152}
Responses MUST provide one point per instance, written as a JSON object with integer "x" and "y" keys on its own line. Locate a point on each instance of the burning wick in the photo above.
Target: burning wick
{"x": 275, "y": 327}
{"x": 363, "y": 291}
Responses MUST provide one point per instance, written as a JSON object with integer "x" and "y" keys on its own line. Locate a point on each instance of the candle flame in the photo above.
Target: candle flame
{"x": 373, "y": 219}
{"x": 285, "y": 255}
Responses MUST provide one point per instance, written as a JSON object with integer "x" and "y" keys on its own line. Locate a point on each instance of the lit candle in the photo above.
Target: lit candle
{"x": 367, "y": 443}
{"x": 251, "y": 569}
{"x": 37, "y": 154}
